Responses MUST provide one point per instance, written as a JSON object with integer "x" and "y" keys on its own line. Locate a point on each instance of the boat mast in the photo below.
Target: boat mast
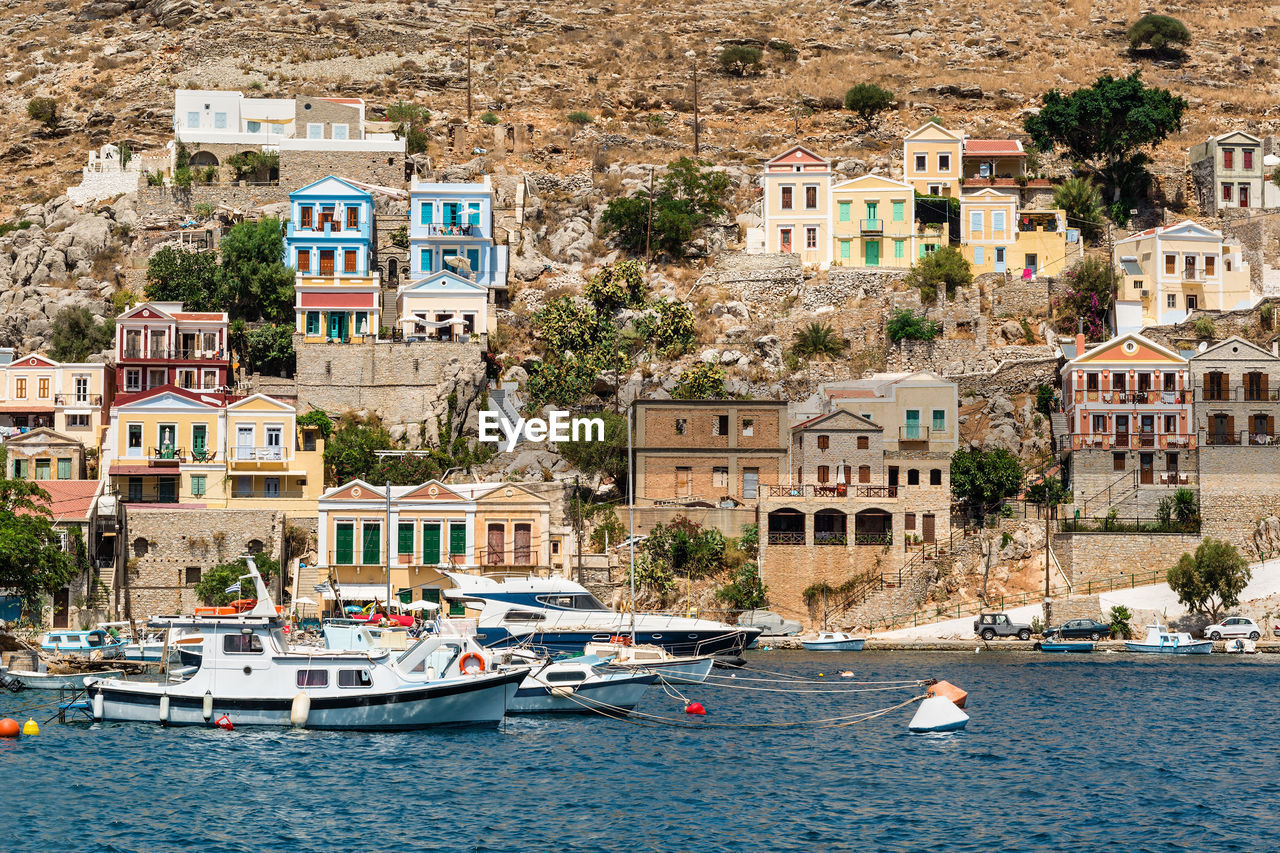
{"x": 631, "y": 521}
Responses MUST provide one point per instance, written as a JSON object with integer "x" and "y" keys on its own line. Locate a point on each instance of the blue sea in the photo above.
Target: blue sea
{"x": 1108, "y": 752}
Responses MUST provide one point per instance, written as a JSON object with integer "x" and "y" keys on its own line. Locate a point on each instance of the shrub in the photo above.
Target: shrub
{"x": 686, "y": 200}
{"x": 1119, "y": 617}
{"x": 202, "y": 210}
{"x": 1045, "y": 395}
{"x": 1204, "y": 327}
{"x": 668, "y": 328}
{"x": 944, "y": 268}
{"x": 488, "y": 117}
{"x": 9, "y": 227}
{"x": 703, "y": 381}
{"x": 183, "y": 178}
{"x": 1082, "y": 200}
{"x": 740, "y": 59}
{"x": 818, "y": 342}
{"x": 43, "y": 110}
{"x": 786, "y": 48}
{"x": 77, "y": 334}
{"x": 745, "y": 590}
{"x": 906, "y": 324}
{"x": 1088, "y": 293}
{"x": 579, "y": 118}
{"x": 867, "y": 99}
{"x": 1165, "y": 35}
{"x": 616, "y": 286}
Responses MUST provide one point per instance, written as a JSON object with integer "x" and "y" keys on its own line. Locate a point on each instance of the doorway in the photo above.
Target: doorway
{"x": 497, "y": 545}
{"x": 1147, "y": 465}
{"x": 61, "y": 607}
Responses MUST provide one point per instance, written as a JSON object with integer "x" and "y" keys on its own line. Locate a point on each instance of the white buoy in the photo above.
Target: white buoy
{"x": 99, "y": 705}
{"x": 938, "y": 714}
{"x": 164, "y": 708}
{"x": 562, "y": 691}
{"x": 300, "y": 711}
{"x": 207, "y": 708}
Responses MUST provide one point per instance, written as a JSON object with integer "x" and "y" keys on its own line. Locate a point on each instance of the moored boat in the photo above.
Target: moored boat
{"x": 55, "y": 681}
{"x": 97, "y": 644}
{"x": 621, "y": 653}
{"x": 834, "y": 641}
{"x": 1065, "y": 646}
{"x": 1159, "y": 640}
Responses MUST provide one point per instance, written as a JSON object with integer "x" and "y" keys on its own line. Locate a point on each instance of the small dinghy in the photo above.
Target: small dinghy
{"x": 55, "y": 681}
{"x": 834, "y": 641}
{"x": 1161, "y": 641}
{"x": 1065, "y": 646}
{"x": 1241, "y": 646}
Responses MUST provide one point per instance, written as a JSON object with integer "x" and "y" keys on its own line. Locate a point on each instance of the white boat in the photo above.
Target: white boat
{"x": 672, "y": 669}
{"x": 834, "y": 641}
{"x": 50, "y": 681}
{"x": 97, "y": 644}
{"x": 1161, "y": 641}
{"x": 1241, "y": 646}
{"x": 249, "y": 675}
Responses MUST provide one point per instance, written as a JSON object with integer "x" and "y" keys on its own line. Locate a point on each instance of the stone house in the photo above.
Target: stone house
{"x": 75, "y": 506}
{"x": 708, "y": 450}
{"x": 443, "y": 307}
{"x": 1228, "y": 171}
{"x": 43, "y": 454}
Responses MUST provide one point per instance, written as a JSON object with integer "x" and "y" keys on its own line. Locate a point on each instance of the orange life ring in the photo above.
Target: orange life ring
{"x": 462, "y": 663}
{"x": 620, "y": 639}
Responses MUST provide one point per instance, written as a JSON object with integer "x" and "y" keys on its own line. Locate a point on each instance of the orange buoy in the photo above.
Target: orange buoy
{"x": 9, "y": 727}
{"x": 224, "y": 722}
{"x": 947, "y": 690}
{"x": 696, "y": 709}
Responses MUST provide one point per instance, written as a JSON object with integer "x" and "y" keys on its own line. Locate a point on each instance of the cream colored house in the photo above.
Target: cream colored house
{"x": 270, "y": 462}
{"x": 931, "y": 159}
{"x": 443, "y": 306}
{"x": 996, "y": 236}
{"x": 873, "y": 222}
{"x": 916, "y": 410}
{"x": 1169, "y": 272}
{"x": 36, "y": 391}
{"x": 797, "y": 205}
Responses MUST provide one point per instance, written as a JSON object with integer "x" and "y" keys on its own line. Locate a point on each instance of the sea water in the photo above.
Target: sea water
{"x": 1109, "y": 752}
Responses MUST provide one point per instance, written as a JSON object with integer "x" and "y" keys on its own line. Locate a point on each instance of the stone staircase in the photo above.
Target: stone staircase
{"x": 1061, "y": 432}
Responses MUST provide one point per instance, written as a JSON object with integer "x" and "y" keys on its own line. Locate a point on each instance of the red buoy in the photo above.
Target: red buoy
{"x": 9, "y": 727}
{"x": 696, "y": 709}
{"x": 224, "y": 722}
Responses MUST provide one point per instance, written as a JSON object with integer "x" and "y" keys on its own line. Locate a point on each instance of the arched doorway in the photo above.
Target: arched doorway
{"x": 873, "y": 527}
{"x": 202, "y": 160}
{"x": 786, "y": 527}
{"x": 393, "y": 271}
{"x": 830, "y": 527}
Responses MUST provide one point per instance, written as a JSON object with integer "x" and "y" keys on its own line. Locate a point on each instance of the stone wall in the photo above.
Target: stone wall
{"x": 299, "y": 168}
{"x": 1093, "y": 471}
{"x": 1094, "y": 556}
{"x": 787, "y": 570}
{"x": 759, "y": 279}
{"x": 404, "y": 383}
{"x": 1012, "y": 295}
{"x": 845, "y": 283}
{"x": 161, "y": 544}
{"x": 1238, "y": 488}
{"x": 170, "y": 201}
{"x": 728, "y": 520}
{"x": 103, "y": 185}
{"x": 1203, "y": 194}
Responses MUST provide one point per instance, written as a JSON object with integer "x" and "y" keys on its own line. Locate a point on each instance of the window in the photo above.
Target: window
{"x": 77, "y": 421}
{"x": 750, "y": 483}
{"x": 811, "y": 237}
{"x": 404, "y": 538}
{"x": 253, "y": 127}
{"x": 191, "y": 575}
{"x": 304, "y": 261}
{"x": 940, "y": 419}
{"x": 864, "y": 473}
{"x": 1000, "y": 255}
{"x": 935, "y": 476}
{"x": 371, "y": 544}
{"x": 922, "y": 163}
{"x": 431, "y": 543}
{"x": 864, "y": 442}
{"x": 1171, "y": 424}
{"x": 349, "y": 260}
{"x": 313, "y": 678}
{"x": 219, "y": 121}
{"x": 64, "y": 469}
{"x": 1228, "y": 158}
{"x": 244, "y": 644}
{"x": 1210, "y": 266}
{"x": 720, "y": 477}
{"x": 20, "y": 469}
{"x": 722, "y": 425}
{"x": 198, "y": 485}
{"x": 1226, "y": 192}
{"x": 20, "y": 387}
{"x": 844, "y": 211}
{"x": 1099, "y": 423}
{"x": 810, "y": 197}
{"x": 82, "y": 389}
{"x": 909, "y": 521}
{"x": 913, "y": 476}
{"x": 899, "y": 248}
{"x": 315, "y": 131}
{"x": 353, "y": 216}
{"x": 899, "y": 211}
{"x": 824, "y": 474}
{"x": 1170, "y": 381}
{"x": 354, "y": 678}
{"x": 1246, "y": 158}
{"x": 935, "y": 189}
{"x": 979, "y": 256}
{"x": 824, "y": 441}
{"x": 681, "y": 425}
{"x": 748, "y": 427}
{"x": 944, "y": 162}
{"x": 133, "y": 379}
{"x": 313, "y": 322}
{"x": 1118, "y": 381}
{"x": 344, "y": 544}
{"x": 133, "y": 440}
{"x": 1117, "y": 461}
{"x": 1170, "y": 264}
{"x": 1172, "y": 300}
{"x": 193, "y": 121}
{"x": 787, "y": 202}
{"x": 975, "y": 222}
{"x": 426, "y": 213}
{"x": 424, "y": 260}
{"x": 338, "y": 131}
{"x": 457, "y": 537}
{"x": 844, "y": 250}
{"x": 997, "y": 220}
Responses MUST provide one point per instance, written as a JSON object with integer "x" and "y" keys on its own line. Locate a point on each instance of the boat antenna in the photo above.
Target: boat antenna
{"x": 631, "y": 519}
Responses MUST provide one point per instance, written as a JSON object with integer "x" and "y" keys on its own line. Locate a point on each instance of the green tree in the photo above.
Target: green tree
{"x": 685, "y": 548}
{"x": 43, "y": 110}
{"x": 1212, "y": 579}
{"x": 981, "y": 478}
{"x": 867, "y": 100}
{"x": 618, "y": 285}
{"x": 608, "y": 457}
{"x": 905, "y": 324}
{"x": 176, "y": 275}
{"x": 1088, "y": 290}
{"x": 351, "y": 451}
{"x": 818, "y": 342}
{"x": 1106, "y": 124}
{"x": 1119, "y": 617}
{"x": 213, "y": 584}
{"x": 1082, "y": 200}
{"x": 252, "y": 277}
{"x": 689, "y": 197}
{"x": 703, "y": 381}
{"x": 740, "y": 59}
{"x": 411, "y": 125}
{"x": 1165, "y": 35}
{"x": 32, "y": 562}
{"x": 317, "y": 418}
{"x": 1050, "y": 491}
{"x": 265, "y": 347}
{"x": 745, "y": 590}
{"x": 668, "y": 328}
{"x": 608, "y": 531}
{"x": 944, "y": 268}
{"x": 77, "y": 334}
{"x": 565, "y": 326}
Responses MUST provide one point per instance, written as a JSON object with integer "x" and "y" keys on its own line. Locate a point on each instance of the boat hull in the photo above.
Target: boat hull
{"x": 683, "y": 643}
{"x": 49, "y": 681}
{"x": 1202, "y": 647}
{"x": 1066, "y": 648}
{"x": 479, "y": 701}
{"x": 833, "y": 645}
{"x": 611, "y": 695}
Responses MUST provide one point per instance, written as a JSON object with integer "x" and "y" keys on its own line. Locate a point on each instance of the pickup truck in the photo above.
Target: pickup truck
{"x": 988, "y": 626}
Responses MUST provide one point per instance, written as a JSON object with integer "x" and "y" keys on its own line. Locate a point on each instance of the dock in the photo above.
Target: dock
{"x": 1271, "y": 646}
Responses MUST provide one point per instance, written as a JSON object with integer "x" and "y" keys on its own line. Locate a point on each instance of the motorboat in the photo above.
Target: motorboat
{"x": 97, "y": 644}
{"x": 1240, "y": 646}
{"x": 581, "y": 685}
{"x": 55, "y": 681}
{"x": 561, "y": 616}
{"x": 1161, "y": 641}
{"x": 620, "y": 653}
{"x": 249, "y": 675}
{"x": 1065, "y": 646}
{"x": 834, "y": 641}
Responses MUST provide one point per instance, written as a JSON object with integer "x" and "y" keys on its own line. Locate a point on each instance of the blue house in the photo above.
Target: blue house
{"x": 329, "y": 243}
{"x": 451, "y": 230}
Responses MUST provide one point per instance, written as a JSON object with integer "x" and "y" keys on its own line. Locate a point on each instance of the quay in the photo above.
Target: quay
{"x": 968, "y": 645}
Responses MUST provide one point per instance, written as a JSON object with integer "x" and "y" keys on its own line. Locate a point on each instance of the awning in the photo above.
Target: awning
{"x": 26, "y": 410}
{"x": 437, "y": 324}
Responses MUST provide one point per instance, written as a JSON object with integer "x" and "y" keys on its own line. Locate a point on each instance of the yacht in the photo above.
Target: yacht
{"x": 562, "y": 616}
{"x": 249, "y": 675}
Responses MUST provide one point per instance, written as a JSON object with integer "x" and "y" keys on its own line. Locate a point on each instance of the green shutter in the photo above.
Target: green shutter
{"x": 898, "y": 248}
{"x": 457, "y": 539}
{"x": 64, "y": 469}
{"x": 405, "y": 538}
{"x": 345, "y": 546}
{"x": 431, "y": 593}
{"x": 844, "y": 249}
{"x": 844, "y": 211}
{"x": 313, "y": 322}
{"x": 898, "y": 211}
{"x": 372, "y": 552}
{"x": 430, "y": 544}
{"x": 405, "y": 596}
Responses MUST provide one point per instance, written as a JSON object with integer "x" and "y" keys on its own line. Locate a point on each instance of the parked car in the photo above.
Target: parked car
{"x": 1233, "y": 626}
{"x": 1079, "y": 629}
{"x": 772, "y": 623}
{"x": 988, "y": 626}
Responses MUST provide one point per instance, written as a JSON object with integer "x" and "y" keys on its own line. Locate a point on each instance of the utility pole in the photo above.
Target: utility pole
{"x": 577, "y": 522}
{"x": 648, "y": 225}
{"x": 387, "y": 539}
{"x": 695, "y": 103}
{"x": 631, "y": 520}
{"x": 468, "y": 74}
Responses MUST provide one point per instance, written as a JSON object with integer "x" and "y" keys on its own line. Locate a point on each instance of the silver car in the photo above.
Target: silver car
{"x": 1233, "y": 626}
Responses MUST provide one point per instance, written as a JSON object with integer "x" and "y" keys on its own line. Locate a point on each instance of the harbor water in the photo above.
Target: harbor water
{"x": 1102, "y": 752}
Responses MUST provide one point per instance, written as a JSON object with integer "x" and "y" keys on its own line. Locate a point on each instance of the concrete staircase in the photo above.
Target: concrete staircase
{"x": 1061, "y": 433}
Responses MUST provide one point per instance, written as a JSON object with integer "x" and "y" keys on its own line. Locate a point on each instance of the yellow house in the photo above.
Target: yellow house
{"x": 995, "y": 236}
{"x": 434, "y": 527}
{"x": 70, "y": 398}
{"x": 1168, "y": 272}
{"x": 797, "y": 205}
{"x": 931, "y": 159}
{"x": 873, "y": 223}
{"x": 270, "y": 462}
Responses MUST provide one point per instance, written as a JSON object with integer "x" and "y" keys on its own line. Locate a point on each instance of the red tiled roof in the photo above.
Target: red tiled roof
{"x": 198, "y": 315}
{"x": 993, "y": 147}
{"x": 70, "y": 500}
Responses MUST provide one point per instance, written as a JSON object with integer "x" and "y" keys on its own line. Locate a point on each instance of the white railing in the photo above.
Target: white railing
{"x": 259, "y": 454}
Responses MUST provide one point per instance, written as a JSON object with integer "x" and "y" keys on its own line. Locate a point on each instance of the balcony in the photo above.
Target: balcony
{"x": 162, "y": 354}
{"x": 263, "y": 493}
{"x": 913, "y": 432}
{"x": 1122, "y": 397}
{"x": 1237, "y": 394}
{"x": 829, "y": 490}
{"x": 1133, "y": 441}
{"x": 258, "y": 456}
{"x": 1238, "y": 438}
{"x": 332, "y": 229}
{"x": 1192, "y": 275}
{"x": 457, "y": 229}
{"x": 166, "y": 454}
{"x": 93, "y": 400}
{"x": 870, "y": 227}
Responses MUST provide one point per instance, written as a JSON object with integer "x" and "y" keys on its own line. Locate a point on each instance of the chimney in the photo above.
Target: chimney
{"x": 1079, "y": 344}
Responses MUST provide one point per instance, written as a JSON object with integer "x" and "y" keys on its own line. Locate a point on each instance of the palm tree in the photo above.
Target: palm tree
{"x": 818, "y": 342}
{"x": 1082, "y": 200}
